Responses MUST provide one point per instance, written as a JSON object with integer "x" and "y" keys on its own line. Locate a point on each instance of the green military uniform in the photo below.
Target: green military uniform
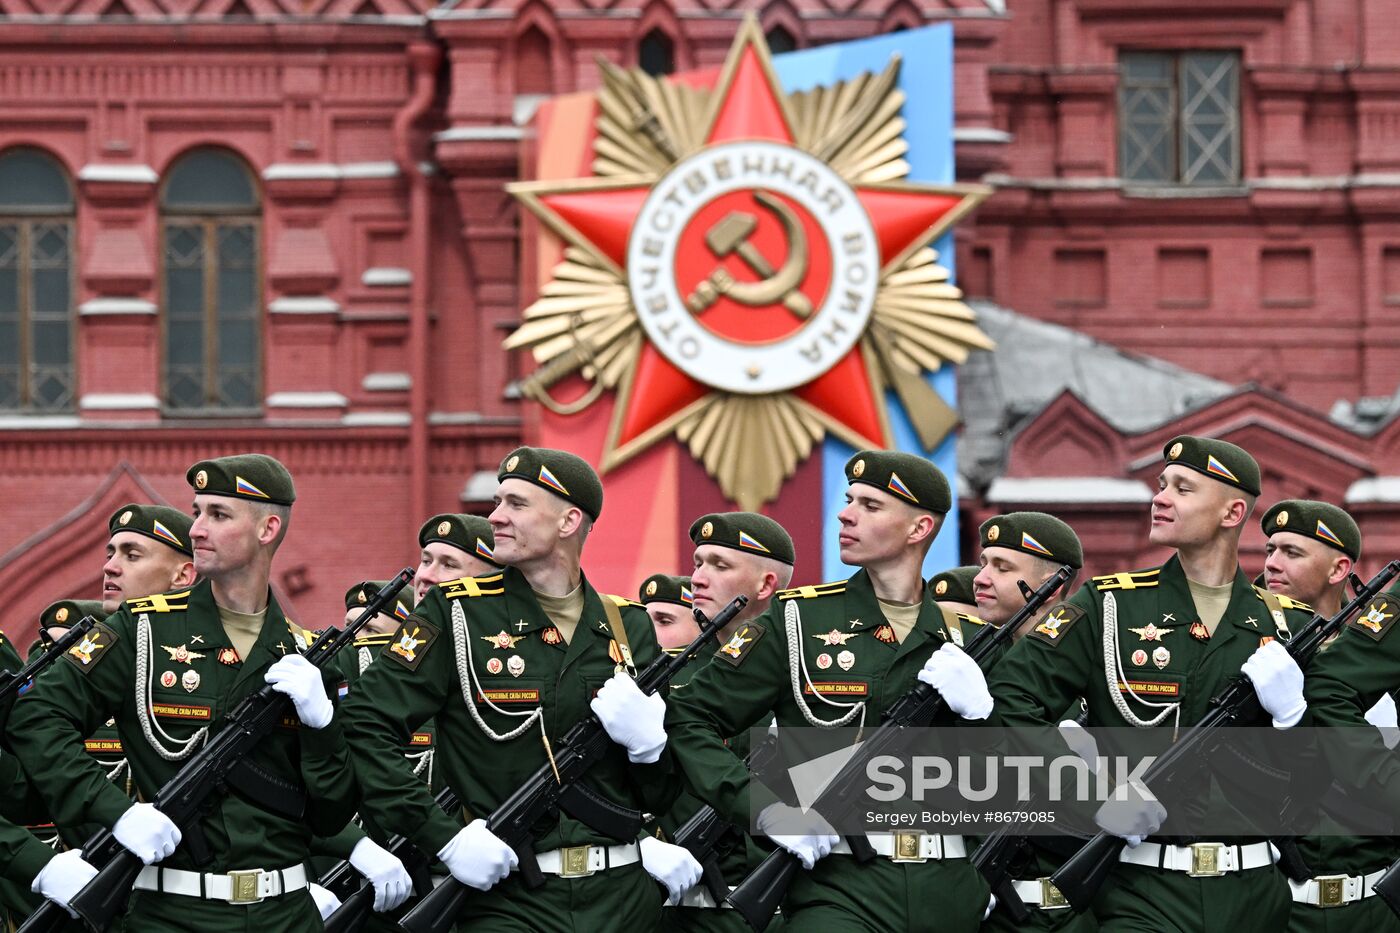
{"x": 826, "y": 656}
{"x": 1168, "y": 667}
{"x": 165, "y": 668}
{"x": 1344, "y": 681}
{"x": 481, "y": 657}
{"x": 1326, "y": 902}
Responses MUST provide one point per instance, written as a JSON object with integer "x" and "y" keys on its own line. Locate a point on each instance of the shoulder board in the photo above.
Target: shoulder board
{"x": 374, "y": 641}
{"x": 1130, "y": 580}
{"x": 301, "y": 634}
{"x": 812, "y": 592}
{"x": 474, "y": 586}
{"x": 1284, "y": 601}
{"x": 673, "y": 652}
{"x": 161, "y": 602}
{"x": 964, "y": 617}
{"x": 621, "y": 601}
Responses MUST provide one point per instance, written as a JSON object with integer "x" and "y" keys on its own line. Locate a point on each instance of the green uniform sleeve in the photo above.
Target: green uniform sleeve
{"x": 67, "y": 703}
{"x": 723, "y": 699}
{"x": 390, "y": 700}
{"x": 331, "y": 790}
{"x": 1041, "y": 675}
{"x": 657, "y": 785}
{"x": 22, "y": 856}
{"x": 1341, "y": 684}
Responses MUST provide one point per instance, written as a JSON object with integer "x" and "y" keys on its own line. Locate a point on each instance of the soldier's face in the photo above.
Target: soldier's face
{"x": 527, "y": 522}
{"x": 1301, "y": 568}
{"x": 137, "y": 566}
{"x": 1189, "y": 508}
{"x": 994, "y": 587}
{"x": 720, "y": 574}
{"x": 440, "y": 562}
{"x": 875, "y": 526}
{"x": 225, "y": 534}
{"x": 675, "y": 626}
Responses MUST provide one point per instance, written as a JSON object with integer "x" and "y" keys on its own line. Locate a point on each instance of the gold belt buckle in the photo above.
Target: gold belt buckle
{"x": 573, "y": 862}
{"x": 243, "y": 886}
{"x": 906, "y": 848}
{"x": 1205, "y": 860}
{"x": 1331, "y": 890}
{"x": 1050, "y": 896}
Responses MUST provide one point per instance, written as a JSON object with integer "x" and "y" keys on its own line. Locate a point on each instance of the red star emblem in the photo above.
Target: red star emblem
{"x": 601, "y": 215}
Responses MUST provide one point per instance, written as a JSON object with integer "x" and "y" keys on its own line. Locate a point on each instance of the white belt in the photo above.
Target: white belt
{"x": 1334, "y": 890}
{"x": 582, "y": 861}
{"x": 1039, "y": 892}
{"x": 1202, "y": 860}
{"x": 235, "y": 887}
{"x": 699, "y": 896}
{"x": 909, "y": 847}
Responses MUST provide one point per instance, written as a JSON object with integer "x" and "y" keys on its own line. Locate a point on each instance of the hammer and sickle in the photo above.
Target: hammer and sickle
{"x": 731, "y": 235}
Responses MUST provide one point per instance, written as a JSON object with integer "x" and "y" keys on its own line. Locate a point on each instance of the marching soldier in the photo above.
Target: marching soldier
{"x": 453, "y": 546}
{"x": 506, "y": 664}
{"x": 953, "y": 588}
{"x": 1311, "y": 550}
{"x": 840, "y": 654}
{"x": 167, "y": 666}
{"x": 670, "y": 605}
{"x": 1174, "y": 634}
{"x": 148, "y": 551}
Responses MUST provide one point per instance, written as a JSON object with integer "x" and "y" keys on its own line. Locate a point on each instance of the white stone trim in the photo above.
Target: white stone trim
{"x": 103, "y": 306}
{"x": 1374, "y": 489}
{"x": 285, "y": 171}
{"x": 307, "y": 400}
{"x": 43, "y": 422}
{"x": 118, "y": 401}
{"x": 478, "y": 134}
{"x": 131, "y": 174}
{"x": 386, "y": 275}
{"x": 1068, "y": 490}
{"x": 315, "y": 304}
{"x": 980, "y": 134}
{"x": 481, "y": 486}
{"x": 377, "y": 419}
{"x": 455, "y": 417}
{"x": 386, "y": 382}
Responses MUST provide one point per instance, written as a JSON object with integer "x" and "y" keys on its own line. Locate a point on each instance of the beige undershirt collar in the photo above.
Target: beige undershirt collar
{"x": 564, "y": 611}
{"x": 901, "y": 617}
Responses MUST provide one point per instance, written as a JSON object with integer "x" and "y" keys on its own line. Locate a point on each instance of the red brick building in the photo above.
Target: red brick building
{"x": 276, "y": 225}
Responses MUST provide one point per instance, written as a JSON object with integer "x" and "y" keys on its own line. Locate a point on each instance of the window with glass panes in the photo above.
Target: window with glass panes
{"x": 1179, "y": 118}
{"x": 211, "y": 280}
{"x": 36, "y": 283}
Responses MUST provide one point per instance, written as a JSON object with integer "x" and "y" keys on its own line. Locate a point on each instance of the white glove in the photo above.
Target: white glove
{"x": 673, "y": 866}
{"x": 1133, "y": 819}
{"x": 1278, "y": 680}
{"x": 63, "y": 877}
{"x": 300, "y": 680}
{"x": 805, "y": 835}
{"x": 991, "y": 906}
{"x": 632, "y": 719}
{"x": 326, "y": 902}
{"x": 477, "y": 857}
{"x": 958, "y": 678}
{"x": 1080, "y": 742}
{"x": 1383, "y": 717}
{"x": 146, "y": 833}
{"x": 392, "y": 885}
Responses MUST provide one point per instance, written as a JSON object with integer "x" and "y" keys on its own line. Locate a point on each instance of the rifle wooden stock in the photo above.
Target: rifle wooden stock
{"x": 759, "y": 895}
{"x": 187, "y": 793}
{"x": 583, "y": 746}
{"x": 1083, "y": 874}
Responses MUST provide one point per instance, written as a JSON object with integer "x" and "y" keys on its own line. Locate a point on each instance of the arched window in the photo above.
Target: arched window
{"x": 212, "y": 280}
{"x": 780, "y": 40}
{"x": 656, "y": 54}
{"x": 36, "y": 283}
{"x": 534, "y": 66}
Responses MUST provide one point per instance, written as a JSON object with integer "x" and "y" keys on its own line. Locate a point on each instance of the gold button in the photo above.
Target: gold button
{"x": 126, "y": 517}
{"x": 201, "y": 479}
{"x": 858, "y": 469}
{"x": 1175, "y": 451}
{"x": 1282, "y": 518}
{"x": 444, "y": 527}
{"x": 993, "y": 532}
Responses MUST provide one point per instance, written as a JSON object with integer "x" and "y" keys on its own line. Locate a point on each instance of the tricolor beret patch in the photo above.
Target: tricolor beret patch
{"x": 1219, "y": 469}
{"x": 749, "y": 541}
{"x": 1031, "y": 544}
{"x": 1328, "y": 535}
{"x": 550, "y": 480}
{"x": 243, "y": 487}
{"x": 896, "y": 486}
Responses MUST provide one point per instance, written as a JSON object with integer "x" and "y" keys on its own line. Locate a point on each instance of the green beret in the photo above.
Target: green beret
{"x": 361, "y": 593}
{"x": 566, "y": 475}
{"x": 1219, "y": 460}
{"x": 470, "y": 533}
{"x": 256, "y": 477}
{"x": 662, "y": 588}
{"x": 744, "y": 531}
{"x": 907, "y": 476}
{"x": 1034, "y": 533}
{"x": 168, "y": 526}
{"x": 954, "y": 586}
{"x": 1320, "y": 520}
{"x": 66, "y": 612}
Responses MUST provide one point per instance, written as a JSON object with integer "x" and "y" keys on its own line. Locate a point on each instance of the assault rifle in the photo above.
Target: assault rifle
{"x": 357, "y": 894}
{"x": 185, "y": 797}
{"x": 12, "y": 685}
{"x": 757, "y": 897}
{"x": 1388, "y": 887}
{"x": 1080, "y": 878}
{"x": 557, "y": 786}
